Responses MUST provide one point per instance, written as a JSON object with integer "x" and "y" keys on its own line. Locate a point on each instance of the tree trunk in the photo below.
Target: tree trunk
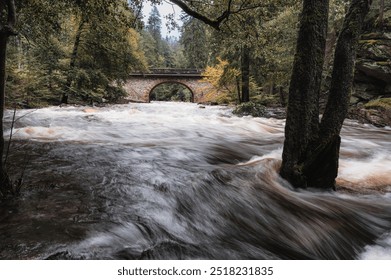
{"x": 282, "y": 96}
{"x": 302, "y": 123}
{"x": 271, "y": 88}
{"x": 381, "y": 14}
{"x": 238, "y": 89}
{"x": 72, "y": 64}
{"x": 316, "y": 163}
{"x": 245, "y": 69}
{"x": 6, "y": 30}
{"x": 338, "y": 101}
{"x": 4, "y": 180}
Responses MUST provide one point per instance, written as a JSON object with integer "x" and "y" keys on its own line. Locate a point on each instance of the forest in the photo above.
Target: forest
{"x": 297, "y": 112}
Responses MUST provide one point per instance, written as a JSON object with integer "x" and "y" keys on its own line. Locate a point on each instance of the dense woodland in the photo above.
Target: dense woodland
{"x": 75, "y": 51}
{"x": 72, "y": 51}
{"x": 81, "y": 51}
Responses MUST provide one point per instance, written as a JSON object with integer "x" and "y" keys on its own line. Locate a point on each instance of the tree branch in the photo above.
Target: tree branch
{"x": 215, "y": 23}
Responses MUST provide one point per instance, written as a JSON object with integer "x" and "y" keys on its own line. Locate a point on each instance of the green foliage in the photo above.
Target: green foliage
{"x": 81, "y": 47}
{"x": 194, "y": 39}
{"x": 159, "y": 52}
{"x": 384, "y": 103}
{"x": 279, "y": 41}
{"x": 225, "y": 81}
{"x": 171, "y": 92}
{"x": 267, "y": 100}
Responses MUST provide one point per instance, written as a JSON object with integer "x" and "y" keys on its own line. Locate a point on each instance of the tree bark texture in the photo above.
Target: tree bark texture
{"x": 317, "y": 165}
{"x": 339, "y": 96}
{"x": 245, "y": 69}
{"x": 302, "y": 123}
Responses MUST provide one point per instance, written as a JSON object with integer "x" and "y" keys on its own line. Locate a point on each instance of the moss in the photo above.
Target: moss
{"x": 266, "y": 100}
{"x": 249, "y": 109}
{"x": 368, "y": 42}
{"x": 383, "y": 63}
{"x": 384, "y": 103}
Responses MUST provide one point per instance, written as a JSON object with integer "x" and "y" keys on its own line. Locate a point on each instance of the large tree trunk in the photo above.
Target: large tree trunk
{"x": 245, "y": 69}
{"x": 315, "y": 164}
{"x": 340, "y": 90}
{"x": 302, "y": 123}
{"x": 72, "y": 64}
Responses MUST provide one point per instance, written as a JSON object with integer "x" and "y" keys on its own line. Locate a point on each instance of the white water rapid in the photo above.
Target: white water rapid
{"x": 180, "y": 181}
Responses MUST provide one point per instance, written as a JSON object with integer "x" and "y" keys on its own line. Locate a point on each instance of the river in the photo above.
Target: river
{"x": 183, "y": 181}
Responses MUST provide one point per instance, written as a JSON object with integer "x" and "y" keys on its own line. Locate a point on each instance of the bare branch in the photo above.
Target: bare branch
{"x": 188, "y": 10}
{"x": 215, "y": 23}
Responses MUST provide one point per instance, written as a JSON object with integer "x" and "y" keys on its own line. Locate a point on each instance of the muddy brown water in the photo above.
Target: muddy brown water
{"x": 176, "y": 181}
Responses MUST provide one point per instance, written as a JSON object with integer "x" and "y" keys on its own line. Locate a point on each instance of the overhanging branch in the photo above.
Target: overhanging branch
{"x": 215, "y": 23}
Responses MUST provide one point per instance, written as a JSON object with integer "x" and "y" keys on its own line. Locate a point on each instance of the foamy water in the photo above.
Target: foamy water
{"x": 175, "y": 180}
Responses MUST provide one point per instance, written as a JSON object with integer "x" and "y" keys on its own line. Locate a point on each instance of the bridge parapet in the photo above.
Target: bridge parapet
{"x": 169, "y": 72}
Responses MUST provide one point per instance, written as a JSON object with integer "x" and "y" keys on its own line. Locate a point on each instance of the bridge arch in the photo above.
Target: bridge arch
{"x": 140, "y": 85}
{"x": 162, "y": 82}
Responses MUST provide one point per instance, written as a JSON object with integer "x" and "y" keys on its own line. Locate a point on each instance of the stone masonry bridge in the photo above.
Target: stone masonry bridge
{"x": 139, "y": 86}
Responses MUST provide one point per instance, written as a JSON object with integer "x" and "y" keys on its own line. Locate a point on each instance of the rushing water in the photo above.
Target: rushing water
{"x": 178, "y": 181}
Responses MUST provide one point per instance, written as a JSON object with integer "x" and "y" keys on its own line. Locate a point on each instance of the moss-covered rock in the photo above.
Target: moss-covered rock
{"x": 376, "y": 112}
{"x": 249, "y": 109}
{"x": 382, "y": 103}
{"x": 373, "y": 65}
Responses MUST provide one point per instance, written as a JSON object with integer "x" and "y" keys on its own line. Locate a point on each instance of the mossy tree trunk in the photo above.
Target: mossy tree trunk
{"x": 310, "y": 156}
{"x": 6, "y": 30}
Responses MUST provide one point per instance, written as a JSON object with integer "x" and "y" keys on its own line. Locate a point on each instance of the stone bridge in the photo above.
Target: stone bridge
{"x": 139, "y": 86}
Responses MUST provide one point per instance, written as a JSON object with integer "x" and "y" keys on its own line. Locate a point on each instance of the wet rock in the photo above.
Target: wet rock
{"x": 365, "y": 92}
{"x": 249, "y": 109}
{"x": 63, "y": 255}
{"x": 379, "y": 117}
{"x": 175, "y": 251}
{"x": 379, "y": 70}
{"x": 373, "y": 65}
